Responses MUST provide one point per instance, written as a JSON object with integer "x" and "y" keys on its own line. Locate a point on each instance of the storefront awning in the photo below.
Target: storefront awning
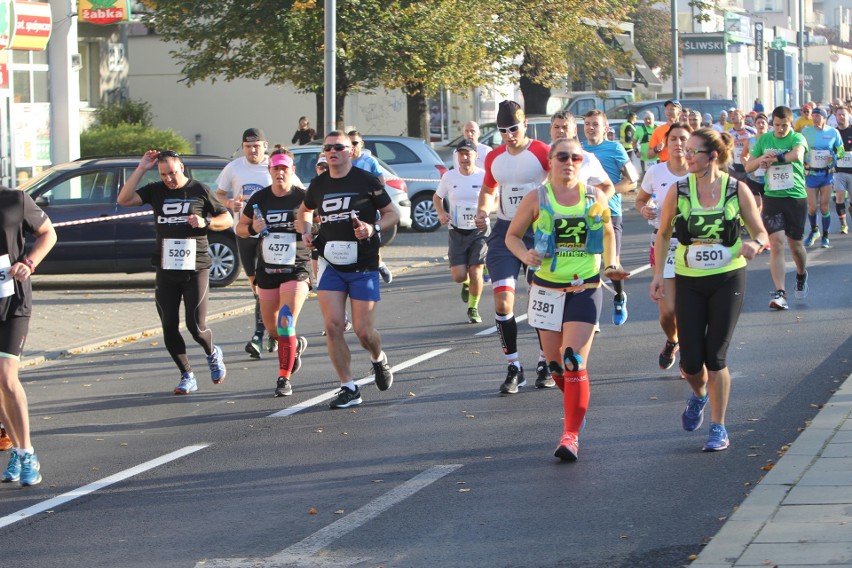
{"x": 642, "y": 74}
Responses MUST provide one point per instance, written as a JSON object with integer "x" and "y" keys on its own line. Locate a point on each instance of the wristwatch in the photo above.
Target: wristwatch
{"x": 780, "y": 157}
{"x": 759, "y": 243}
{"x": 377, "y": 228}
{"x": 29, "y": 262}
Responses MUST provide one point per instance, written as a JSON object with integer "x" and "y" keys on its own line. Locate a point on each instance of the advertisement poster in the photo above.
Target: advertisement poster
{"x": 31, "y": 133}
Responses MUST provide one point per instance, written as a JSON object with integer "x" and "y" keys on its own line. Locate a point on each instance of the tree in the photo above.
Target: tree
{"x": 653, "y": 34}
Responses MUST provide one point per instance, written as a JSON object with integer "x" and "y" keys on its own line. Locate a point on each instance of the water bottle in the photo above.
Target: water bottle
{"x": 259, "y": 215}
{"x": 596, "y": 217}
{"x": 541, "y": 246}
{"x": 653, "y": 206}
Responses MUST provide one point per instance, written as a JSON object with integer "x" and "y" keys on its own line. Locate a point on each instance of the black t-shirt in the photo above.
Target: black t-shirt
{"x": 171, "y": 208}
{"x": 846, "y": 136}
{"x": 19, "y": 215}
{"x": 334, "y": 200}
{"x": 302, "y": 137}
{"x": 279, "y": 213}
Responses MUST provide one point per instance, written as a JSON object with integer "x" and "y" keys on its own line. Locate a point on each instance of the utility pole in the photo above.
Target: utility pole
{"x": 675, "y": 68}
{"x": 330, "y": 89}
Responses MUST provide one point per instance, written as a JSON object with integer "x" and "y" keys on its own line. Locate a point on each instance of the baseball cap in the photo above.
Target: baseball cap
{"x": 321, "y": 160}
{"x": 254, "y": 135}
{"x": 279, "y": 160}
{"x": 466, "y": 145}
{"x": 509, "y": 113}
{"x": 820, "y": 111}
{"x": 674, "y": 102}
{"x": 807, "y": 107}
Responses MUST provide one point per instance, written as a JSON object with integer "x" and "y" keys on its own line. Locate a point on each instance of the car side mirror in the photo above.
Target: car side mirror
{"x": 42, "y": 201}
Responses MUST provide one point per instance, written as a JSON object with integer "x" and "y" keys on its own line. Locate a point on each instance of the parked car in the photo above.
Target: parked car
{"x": 305, "y": 158}
{"x": 713, "y": 106}
{"x": 88, "y": 189}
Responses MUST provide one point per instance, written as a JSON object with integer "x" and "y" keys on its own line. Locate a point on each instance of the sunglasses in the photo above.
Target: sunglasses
{"x": 512, "y": 129}
{"x": 565, "y": 156}
{"x": 335, "y": 147}
{"x": 322, "y": 167}
{"x": 694, "y": 153}
{"x": 167, "y": 154}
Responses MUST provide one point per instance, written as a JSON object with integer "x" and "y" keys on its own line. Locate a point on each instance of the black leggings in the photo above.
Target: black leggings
{"x": 192, "y": 287}
{"x": 707, "y": 309}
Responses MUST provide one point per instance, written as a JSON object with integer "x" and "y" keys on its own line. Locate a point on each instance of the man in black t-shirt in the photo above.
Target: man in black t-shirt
{"x": 348, "y": 259}
{"x": 184, "y": 211}
{"x": 19, "y": 215}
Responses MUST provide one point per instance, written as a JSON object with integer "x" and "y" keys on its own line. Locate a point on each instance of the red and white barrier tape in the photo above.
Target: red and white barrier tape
{"x": 101, "y": 219}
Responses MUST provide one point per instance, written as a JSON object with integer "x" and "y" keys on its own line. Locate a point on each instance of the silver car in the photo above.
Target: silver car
{"x": 306, "y": 157}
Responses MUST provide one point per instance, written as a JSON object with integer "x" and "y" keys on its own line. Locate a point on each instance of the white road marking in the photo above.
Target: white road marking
{"x": 360, "y": 382}
{"x": 97, "y": 485}
{"x": 302, "y": 553}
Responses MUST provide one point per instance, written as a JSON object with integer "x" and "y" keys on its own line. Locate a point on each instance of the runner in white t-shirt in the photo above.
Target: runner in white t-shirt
{"x": 471, "y": 132}
{"x": 659, "y": 180}
{"x": 461, "y": 187}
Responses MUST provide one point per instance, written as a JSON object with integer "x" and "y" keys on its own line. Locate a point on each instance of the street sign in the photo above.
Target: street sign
{"x": 779, "y": 43}
{"x": 758, "y": 41}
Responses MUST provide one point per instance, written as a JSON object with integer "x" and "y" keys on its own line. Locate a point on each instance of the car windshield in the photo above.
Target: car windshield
{"x": 36, "y": 181}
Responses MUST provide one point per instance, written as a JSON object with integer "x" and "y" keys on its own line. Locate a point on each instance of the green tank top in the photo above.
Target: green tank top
{"x": 706, "y": 255}
{"x": 569, "y": 225}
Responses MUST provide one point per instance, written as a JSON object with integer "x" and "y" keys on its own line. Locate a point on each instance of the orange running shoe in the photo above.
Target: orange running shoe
{"x": 568, "y": 448}
{"x": 5, "y": 440}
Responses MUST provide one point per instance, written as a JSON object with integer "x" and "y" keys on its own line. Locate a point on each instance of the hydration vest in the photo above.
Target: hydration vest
{"x": 722, "y": 225}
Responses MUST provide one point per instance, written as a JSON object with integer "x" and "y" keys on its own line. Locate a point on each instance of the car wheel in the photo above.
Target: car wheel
{"x": 225, "y": 265}
{"x": 424, "y": 217}
{"x": 388, "y": 235}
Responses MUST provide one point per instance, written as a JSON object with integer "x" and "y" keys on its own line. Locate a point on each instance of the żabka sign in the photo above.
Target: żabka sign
{"x": 32, "y": 25}
{"x": 103, "y": 12}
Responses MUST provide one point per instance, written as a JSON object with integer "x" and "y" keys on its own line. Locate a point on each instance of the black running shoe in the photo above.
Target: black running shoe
{"x": 667, "y": 355}
{"x": 514, "y": 379}
{"x": 283, "y": 388}
{"x": 301, "y": 345}
{"x": 382, "y": 373}
{"x": 254, "y": 347}
{"x": 346, "y": 398}
{"x": 543, "y": 380}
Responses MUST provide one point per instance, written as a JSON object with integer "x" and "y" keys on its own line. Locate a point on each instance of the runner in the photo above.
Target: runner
{"x": 642, "y": 139}
{"x": 283, "y": 279}
{"x": 467, "y": 248}
{"x": 627, "y": 134}
{"x": 742, "y": 135}
{"x": 343, "y": 198}
{"x": 804, "y": 120}
{"x": 710, "y": 272}
{"x": 515, "y": 168}
{"x": 185, "y": 211}
{"x": 843, "y": 177}
{"x": 471, "y": 132}
{"x": 825, "y": 146}
{"x": 781, "y": 154}
{"x": 656, "y": 146}
{"x": 655, "y": 187}
{"x": 571, "y": 220}
{"x": 235, "y": 185}
{"x": 755, "y": 180}
{"x": 693, "y": 118}
{"x": 624, "y": 176}
{"x": 19, "y": 216}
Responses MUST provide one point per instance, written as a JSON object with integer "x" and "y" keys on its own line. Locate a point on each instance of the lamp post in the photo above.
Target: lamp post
{"x": 330, "y": 88}
{"x": 675, "y": 68}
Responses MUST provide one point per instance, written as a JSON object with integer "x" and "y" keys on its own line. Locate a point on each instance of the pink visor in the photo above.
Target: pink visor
{"x": 280, "y": 160}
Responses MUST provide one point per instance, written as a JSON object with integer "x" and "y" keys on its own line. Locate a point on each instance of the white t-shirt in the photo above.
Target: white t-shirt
{"x": 658, "y": 181}
{"x": 481, "y": 151}
{"x": 516, "y": 175}
{"x": 591, "y": 170}
{"x": 463, "y": 194}
{"x": 242, "y": 178}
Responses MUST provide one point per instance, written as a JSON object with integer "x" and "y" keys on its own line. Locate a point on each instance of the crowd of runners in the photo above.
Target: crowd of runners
{"x": 715, "y": 194}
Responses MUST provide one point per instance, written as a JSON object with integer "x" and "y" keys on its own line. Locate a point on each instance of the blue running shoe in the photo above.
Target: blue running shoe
{"x": 217, "y": 365}
{"x": 619, "y": 316}
{"x": 13, "y": 470}
{"x": 718, "y": 439}
{"x": 187, "y": 384}
{"x": 693, "y": 416}
{"x": 29, "y": 470}
{"x": 813, "y": 236}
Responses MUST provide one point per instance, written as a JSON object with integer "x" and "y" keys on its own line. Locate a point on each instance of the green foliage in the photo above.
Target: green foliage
{"x": 130, "y": 140}
{"x": 653, "y": 34}
{"x": 124, "y": 112}
{"x": 701, "y": 8}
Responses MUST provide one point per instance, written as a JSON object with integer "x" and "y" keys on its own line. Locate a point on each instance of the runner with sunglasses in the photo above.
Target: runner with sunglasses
{"x": 185, "y": 211}
{"x": 572, "y": 221}
{"x": 514, "y": 169}
{"x": 347, "y": 200}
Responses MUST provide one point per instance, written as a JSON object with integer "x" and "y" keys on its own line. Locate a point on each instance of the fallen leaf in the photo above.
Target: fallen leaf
{"x": 231, "y": 402}
{"x": 464, "y": 490}
{"x": 124, "y": 443}
{"x": 318, "y": 430}
{"x": 475, "y": 353}
{"x": 411, "y": 394}
{"x": 653, "y": 398}
{"x": 378, "y": 480}
{"x": 768, "y": 467}
{"x": 692, "y": 557}
{"x": 339, "y": 512}
{"x": 312, "y": 511}
{"x": 470, "y": 416}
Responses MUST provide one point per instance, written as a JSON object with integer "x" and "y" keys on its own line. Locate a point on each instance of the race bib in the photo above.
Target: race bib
{"x": 341, "y": 252}
{"x": 463, "y": 217}
{"x": 178, "y": 254}
{"x": 779, "y": 178}
{"x": 846, "y": 160}
{"x": 545, "y": 308}
{"x": 669, "y": 268}
{"x": 510, "y": 197}
{"x": 738, "y": 154}
{"x": 820, "y": 159}
{"x": 707, "y": 256}
{"x": 7, "y": 283}
{"x": 279, "y": 249}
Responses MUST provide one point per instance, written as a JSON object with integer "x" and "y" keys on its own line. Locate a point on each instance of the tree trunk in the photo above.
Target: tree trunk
{"x": 535, "y": 96}
{"x": 417, "y": 115}
{"x": 320, "y": 99}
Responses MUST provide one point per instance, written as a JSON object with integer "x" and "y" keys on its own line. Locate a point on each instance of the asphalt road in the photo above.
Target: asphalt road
{"x": 439, "y": 470}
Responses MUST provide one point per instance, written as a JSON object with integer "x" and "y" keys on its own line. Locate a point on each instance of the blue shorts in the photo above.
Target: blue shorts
{"x": 819, "y": 179}
{"x": 499, "y": 260}
{"x": 582, "y": 307}
{"x": 363, "y": 286}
